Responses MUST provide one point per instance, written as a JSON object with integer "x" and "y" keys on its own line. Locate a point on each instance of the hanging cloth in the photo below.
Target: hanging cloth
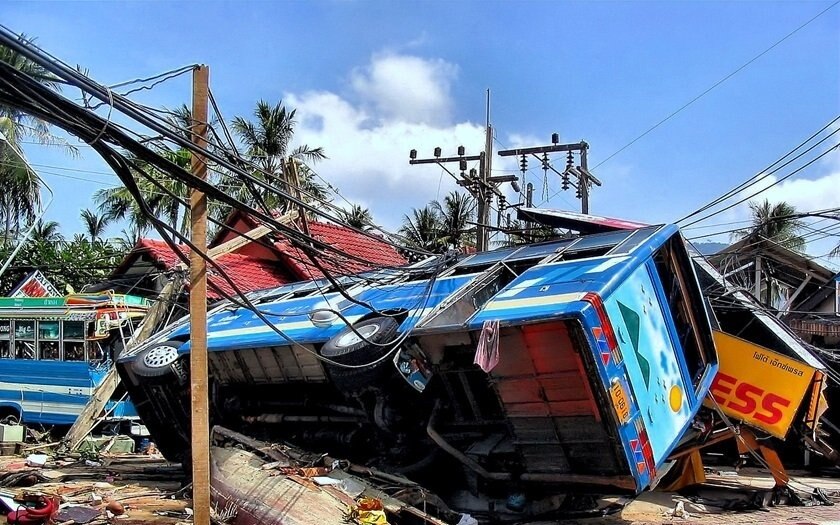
{"x": 487, "y": 351}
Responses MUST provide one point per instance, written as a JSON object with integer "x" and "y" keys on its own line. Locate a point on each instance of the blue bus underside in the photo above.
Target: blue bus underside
{"x": 540, "y": 408}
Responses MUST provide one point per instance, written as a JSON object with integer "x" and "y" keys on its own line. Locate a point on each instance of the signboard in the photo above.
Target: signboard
{"x": 576, "y": 221}
{"x": 758, "y": 386}
{"x": 35, "y": 285}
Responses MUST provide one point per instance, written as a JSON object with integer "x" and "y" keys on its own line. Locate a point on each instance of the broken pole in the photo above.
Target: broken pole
{"x": 100, "y": 396}
{"x": 198, "y": 307}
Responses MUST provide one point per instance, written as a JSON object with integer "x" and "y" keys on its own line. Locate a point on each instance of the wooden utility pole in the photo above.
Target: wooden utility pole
{"x": 100, "y": 396}
{"x": 198, "y": 308}
{"x": 293, "y": 180}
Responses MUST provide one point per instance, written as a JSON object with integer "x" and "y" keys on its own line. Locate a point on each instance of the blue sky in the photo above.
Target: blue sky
{"x": 373, "y": 79}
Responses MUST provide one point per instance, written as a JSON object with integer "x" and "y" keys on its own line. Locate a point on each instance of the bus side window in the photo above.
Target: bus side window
{"x": 6, "y": 339}
{"x": 95, "y": 352}
{"x": 74, "y": 341}
{"x": 48, "y": 336}
{"x": 25, "y": 340}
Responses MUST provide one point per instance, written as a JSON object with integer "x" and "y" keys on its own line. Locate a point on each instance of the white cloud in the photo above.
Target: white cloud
{"x": 406, "y": 88}
{"x": 404, "y": 103}
{"x": 807, "y": 194}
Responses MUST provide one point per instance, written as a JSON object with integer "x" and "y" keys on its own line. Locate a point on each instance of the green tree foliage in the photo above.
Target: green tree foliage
{"x": 518, "y": 233}
{"x": 266, "y": 140}
{"x": 456, "y": 213}
{"x": 20, "y": 187}
{"x": 162, "y": 193}
{"x": 776, "y": 222}
{"x": 94, "y": 223}
{"x": 358, "y": 217}
{"x": 440, "y": 226}
{"x": 422, "y": 230}
{"x": 76, "y": 263}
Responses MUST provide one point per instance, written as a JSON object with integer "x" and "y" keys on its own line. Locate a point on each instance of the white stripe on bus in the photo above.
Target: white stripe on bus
{"x": 81, "y": 391}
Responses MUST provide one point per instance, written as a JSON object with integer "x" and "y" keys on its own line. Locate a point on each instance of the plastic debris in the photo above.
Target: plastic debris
{"x": 37, "y": 460}
{"x": 368, "y": 511}
{"x": 679, "y": 511}
{"x": 466, "y": 519}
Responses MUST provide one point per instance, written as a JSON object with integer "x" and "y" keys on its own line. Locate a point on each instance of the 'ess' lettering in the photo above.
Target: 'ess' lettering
{"x": 747, "y": 399}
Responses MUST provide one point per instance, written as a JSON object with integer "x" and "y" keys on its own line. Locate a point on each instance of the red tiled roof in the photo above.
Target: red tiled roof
{"x": 249, "y": 273}
{"x": 253, "y": 273}
{"x": 377, "y": 253}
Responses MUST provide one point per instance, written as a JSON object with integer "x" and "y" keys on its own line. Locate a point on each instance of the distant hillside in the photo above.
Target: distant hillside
{"x": 709, "y": 248}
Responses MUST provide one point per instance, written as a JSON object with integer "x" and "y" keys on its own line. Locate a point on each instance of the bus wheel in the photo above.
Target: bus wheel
{"x": 156, "y": 361}
{"x": 9, "y": 416}
{"x": 353, "y": 346}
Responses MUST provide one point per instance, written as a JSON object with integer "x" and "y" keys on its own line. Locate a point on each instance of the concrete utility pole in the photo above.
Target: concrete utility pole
{"x": 482, "y": 185}
{"x": 472, "y": 182}
{"x": 486, "y": 174}
{"x": 198, "y": 308}
{"x": 583, "y": 179}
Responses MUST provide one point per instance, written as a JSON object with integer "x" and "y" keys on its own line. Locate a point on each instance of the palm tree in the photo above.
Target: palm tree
{"x": 47, "y": 232}
{"x": 358, "y": 217}
{"x": 423, "y": 230}
{"x": 266, "y": 144}
{"x": 20, "y": 188}
{"x": 312, "y": 190}
{"x": 95, "y": 224}
{"x": 30, "y": 125}
{"x": 119, "y": 204}
{"x": 128, "y": 240}
{"x": 455, "y": 214}
{"x": 776, "y": 222}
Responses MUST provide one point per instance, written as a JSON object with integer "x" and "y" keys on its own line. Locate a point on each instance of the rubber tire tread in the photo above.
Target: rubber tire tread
{"x": 359, "y": 354}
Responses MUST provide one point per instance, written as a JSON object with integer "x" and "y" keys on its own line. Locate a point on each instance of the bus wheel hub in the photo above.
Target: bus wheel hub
{"x": 160, "y": 356}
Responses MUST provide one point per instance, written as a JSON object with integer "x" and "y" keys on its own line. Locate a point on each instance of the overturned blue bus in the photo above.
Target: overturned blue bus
{"x": 520, "y": 373}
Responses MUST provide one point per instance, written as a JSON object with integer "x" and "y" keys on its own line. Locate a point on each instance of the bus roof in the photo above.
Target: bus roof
{"x": 73, "y": 301}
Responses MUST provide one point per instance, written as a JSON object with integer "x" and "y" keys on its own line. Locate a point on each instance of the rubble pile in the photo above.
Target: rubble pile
{"x": 121, "y": 488}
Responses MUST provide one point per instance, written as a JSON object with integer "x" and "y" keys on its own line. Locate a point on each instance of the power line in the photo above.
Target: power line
{"x": 778, "y": 181}
{"x": 769, "y": 170}
{"x": 814, "y": 213}
{"x": 716, "y": 84}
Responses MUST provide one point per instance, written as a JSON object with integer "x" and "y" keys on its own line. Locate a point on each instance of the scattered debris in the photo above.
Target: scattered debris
{"x": 313, "y": 489}
{"x": 135, "y": 489}
{"x": 679, "y": 511}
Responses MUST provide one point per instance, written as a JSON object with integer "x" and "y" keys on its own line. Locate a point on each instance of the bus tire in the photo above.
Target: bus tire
{"x": 157, "y": 360}
{"x": 352, "y": 346}
{"x": 10, "y": 414}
